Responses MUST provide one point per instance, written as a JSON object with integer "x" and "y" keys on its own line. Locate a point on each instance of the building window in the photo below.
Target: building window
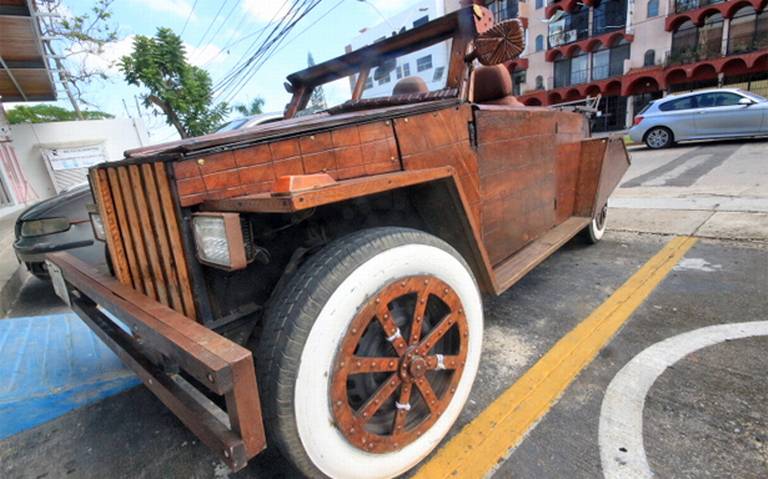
{"x": 502, "y": 9}
{"x": 539, "y": 43}
{"x": 619, "y": 53}
{"x": 653, "y": 8}
{"x": 406, "y": 69}
{"x": 539, "y": 82}
{"x": 570, "y": 28}
{"x": 421, "y": 21}
{"x": 399, "y": 72}
{"x": 579, "y": 70}
{"x": 562, "y": 72}
{"x": 650, "y": 58}
{"x": 609, "y": 16}
{"x": 684, "y": 42}
{"x": 518, "y": 78}
{"x": 438, "y": 74}
{"x": 601, "y": 64}
{"x": 424, "y": 63}
{"x": 539, "y": 4}
{"x": 368, "y": 83}
{"x": 748, "y": 31}
{"x": 383, "y": 79}
{"x": 711, "y": 37}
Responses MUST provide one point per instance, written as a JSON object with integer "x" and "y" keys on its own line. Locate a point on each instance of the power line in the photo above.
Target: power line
{"x": 241, "y": 75}
{"x": 210, "y": 25}
{"x": 187, "y": 20}
{"x": 221, "y": 25}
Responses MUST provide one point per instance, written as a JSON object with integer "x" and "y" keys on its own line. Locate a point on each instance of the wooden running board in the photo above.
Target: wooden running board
{"x": 512, "y": 269}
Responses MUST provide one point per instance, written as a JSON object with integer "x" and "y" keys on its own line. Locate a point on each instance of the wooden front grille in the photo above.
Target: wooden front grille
{"x": 143, "y": 232}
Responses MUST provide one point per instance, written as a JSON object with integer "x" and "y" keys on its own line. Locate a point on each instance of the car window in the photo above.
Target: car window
{"x": 681, "y": 104}
{"x": 754, "y": 96}
{"x": 718, "y": 99}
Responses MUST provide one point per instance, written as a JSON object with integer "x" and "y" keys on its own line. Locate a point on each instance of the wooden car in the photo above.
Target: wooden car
{"x": 347, "y": 251}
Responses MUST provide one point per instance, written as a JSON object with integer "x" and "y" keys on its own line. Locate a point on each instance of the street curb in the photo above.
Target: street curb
{"x": 10, "y": 290}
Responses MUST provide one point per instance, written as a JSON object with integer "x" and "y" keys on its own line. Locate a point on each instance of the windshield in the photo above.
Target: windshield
{"x": 233, "y": 125}
{"x": 429, "y": 64}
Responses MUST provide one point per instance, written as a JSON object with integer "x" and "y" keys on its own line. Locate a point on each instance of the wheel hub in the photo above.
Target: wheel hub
{"x": 417, "y": 329}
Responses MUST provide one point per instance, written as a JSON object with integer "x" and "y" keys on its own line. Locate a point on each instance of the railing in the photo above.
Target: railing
{"x": 566, "y": 37}
{"x": 577, "y": 77}
{"x": 686, "y": 55}
{"x": 686, "y": 5}
{"x": 747, "y": 43}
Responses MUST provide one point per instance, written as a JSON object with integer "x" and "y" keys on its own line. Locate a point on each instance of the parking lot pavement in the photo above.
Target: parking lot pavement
{"x": 692, "y": 412}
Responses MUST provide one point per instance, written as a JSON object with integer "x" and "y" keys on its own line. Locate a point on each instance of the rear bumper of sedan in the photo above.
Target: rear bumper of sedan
{"x": 637, "y": 132}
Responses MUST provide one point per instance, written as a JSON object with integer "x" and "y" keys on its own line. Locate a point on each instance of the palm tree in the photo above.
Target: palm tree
{"x": 253, "y": 109}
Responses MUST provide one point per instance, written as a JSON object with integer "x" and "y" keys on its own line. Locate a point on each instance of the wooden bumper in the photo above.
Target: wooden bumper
{"x": 162, "y": 343}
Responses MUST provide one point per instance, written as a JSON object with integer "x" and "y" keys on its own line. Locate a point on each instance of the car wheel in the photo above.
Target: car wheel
{"x": 596, "y": 229}
{"x": 369, "y": 353}
{"x": 659, "y": 137}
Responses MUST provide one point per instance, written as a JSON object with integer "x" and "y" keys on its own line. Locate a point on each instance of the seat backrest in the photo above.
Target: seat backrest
{"x": 493, "y": 86}
{"x": 410, "y": 86}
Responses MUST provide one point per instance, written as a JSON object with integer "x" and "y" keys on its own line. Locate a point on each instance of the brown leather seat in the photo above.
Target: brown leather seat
{"x": 493, "y": 86}
{"x": 410, "y": 86}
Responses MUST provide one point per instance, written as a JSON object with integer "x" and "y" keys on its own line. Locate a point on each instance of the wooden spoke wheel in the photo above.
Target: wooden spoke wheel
{"x": 368, "y": 353}
{"x": 399, "y": 363}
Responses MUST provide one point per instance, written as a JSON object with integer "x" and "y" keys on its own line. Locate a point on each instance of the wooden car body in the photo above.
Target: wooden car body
{"x": 504, "y": 185}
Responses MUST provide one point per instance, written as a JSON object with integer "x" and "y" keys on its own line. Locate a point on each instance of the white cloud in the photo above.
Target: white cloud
{"x": 107, "y": 60}
{"x": 180, "y": 8}
{"x": 266, "y": 10}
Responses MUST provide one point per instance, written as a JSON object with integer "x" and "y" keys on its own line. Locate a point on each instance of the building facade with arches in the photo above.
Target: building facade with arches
{"x": 633, "y": 51}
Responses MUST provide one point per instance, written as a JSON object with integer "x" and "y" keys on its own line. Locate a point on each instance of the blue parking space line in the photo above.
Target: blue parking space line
{"x": 51, "y": 365}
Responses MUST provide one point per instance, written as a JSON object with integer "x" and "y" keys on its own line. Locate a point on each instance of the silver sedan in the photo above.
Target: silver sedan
{"x": 704, "y": 114}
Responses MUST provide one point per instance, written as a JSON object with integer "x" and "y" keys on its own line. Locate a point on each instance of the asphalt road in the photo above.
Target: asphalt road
{"x": 704, "y": 416}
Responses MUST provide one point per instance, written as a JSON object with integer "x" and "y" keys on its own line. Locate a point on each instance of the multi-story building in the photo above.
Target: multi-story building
{"x": 632, "y": 51}
{"x": 627, "y": 51}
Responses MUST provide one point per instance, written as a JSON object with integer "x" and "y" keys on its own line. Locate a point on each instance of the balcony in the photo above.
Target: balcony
{"x": 747, "y": 43}
{"x": 687, "y": 5}
{"x": 686, "y": 55}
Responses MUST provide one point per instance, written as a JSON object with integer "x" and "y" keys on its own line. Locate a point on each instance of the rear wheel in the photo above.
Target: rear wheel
{"x": 596, "y": 229}
{"x": 659, "y": 137}
{"x": 369, "y": 353}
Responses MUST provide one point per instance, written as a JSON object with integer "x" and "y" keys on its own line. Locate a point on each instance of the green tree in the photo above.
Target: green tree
{"x": 182, "y": 92}
{"x": 48, "y": 113}
{"x": 254, "y": 108}
{"x": 73, "y": 42}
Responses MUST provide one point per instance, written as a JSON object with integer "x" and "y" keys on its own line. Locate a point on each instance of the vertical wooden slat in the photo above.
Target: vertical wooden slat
{"x": 106, "y": 208}
{"x": 150, "y": 238}
{"x": 125, "y": 234}
{"x": 177, "y": 248}
{"x": 134, "y": 228}
{"x": 161, "y": 233}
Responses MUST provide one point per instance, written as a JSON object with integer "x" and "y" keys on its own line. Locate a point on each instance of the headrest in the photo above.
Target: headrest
{"x": 410, "y": 86}
{"x": 491, "y": 83}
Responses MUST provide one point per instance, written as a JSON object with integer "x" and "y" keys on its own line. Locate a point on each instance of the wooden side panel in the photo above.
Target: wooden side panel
{"x": 441, "y": 138}
{"x": 344, "y": 153}
{"x": 528, "y": 163}
{"x": 591, "y": 162}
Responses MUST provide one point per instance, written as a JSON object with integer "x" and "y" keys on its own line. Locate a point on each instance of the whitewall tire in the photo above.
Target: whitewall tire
{"x": 310, "y": 327}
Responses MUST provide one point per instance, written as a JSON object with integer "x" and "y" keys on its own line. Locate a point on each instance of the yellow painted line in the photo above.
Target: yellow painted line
{"x": 488, "y": 439}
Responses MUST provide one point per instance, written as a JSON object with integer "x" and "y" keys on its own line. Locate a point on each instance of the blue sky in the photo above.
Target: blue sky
{"x": 326, "y": 39}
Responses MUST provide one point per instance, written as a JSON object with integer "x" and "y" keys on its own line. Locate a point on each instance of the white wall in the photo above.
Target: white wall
{"x": 117, "y": 135}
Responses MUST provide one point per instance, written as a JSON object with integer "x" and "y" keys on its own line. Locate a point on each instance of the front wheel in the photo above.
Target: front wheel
{"x": 369, "y": 354}
{"x": 659, "y": 137}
